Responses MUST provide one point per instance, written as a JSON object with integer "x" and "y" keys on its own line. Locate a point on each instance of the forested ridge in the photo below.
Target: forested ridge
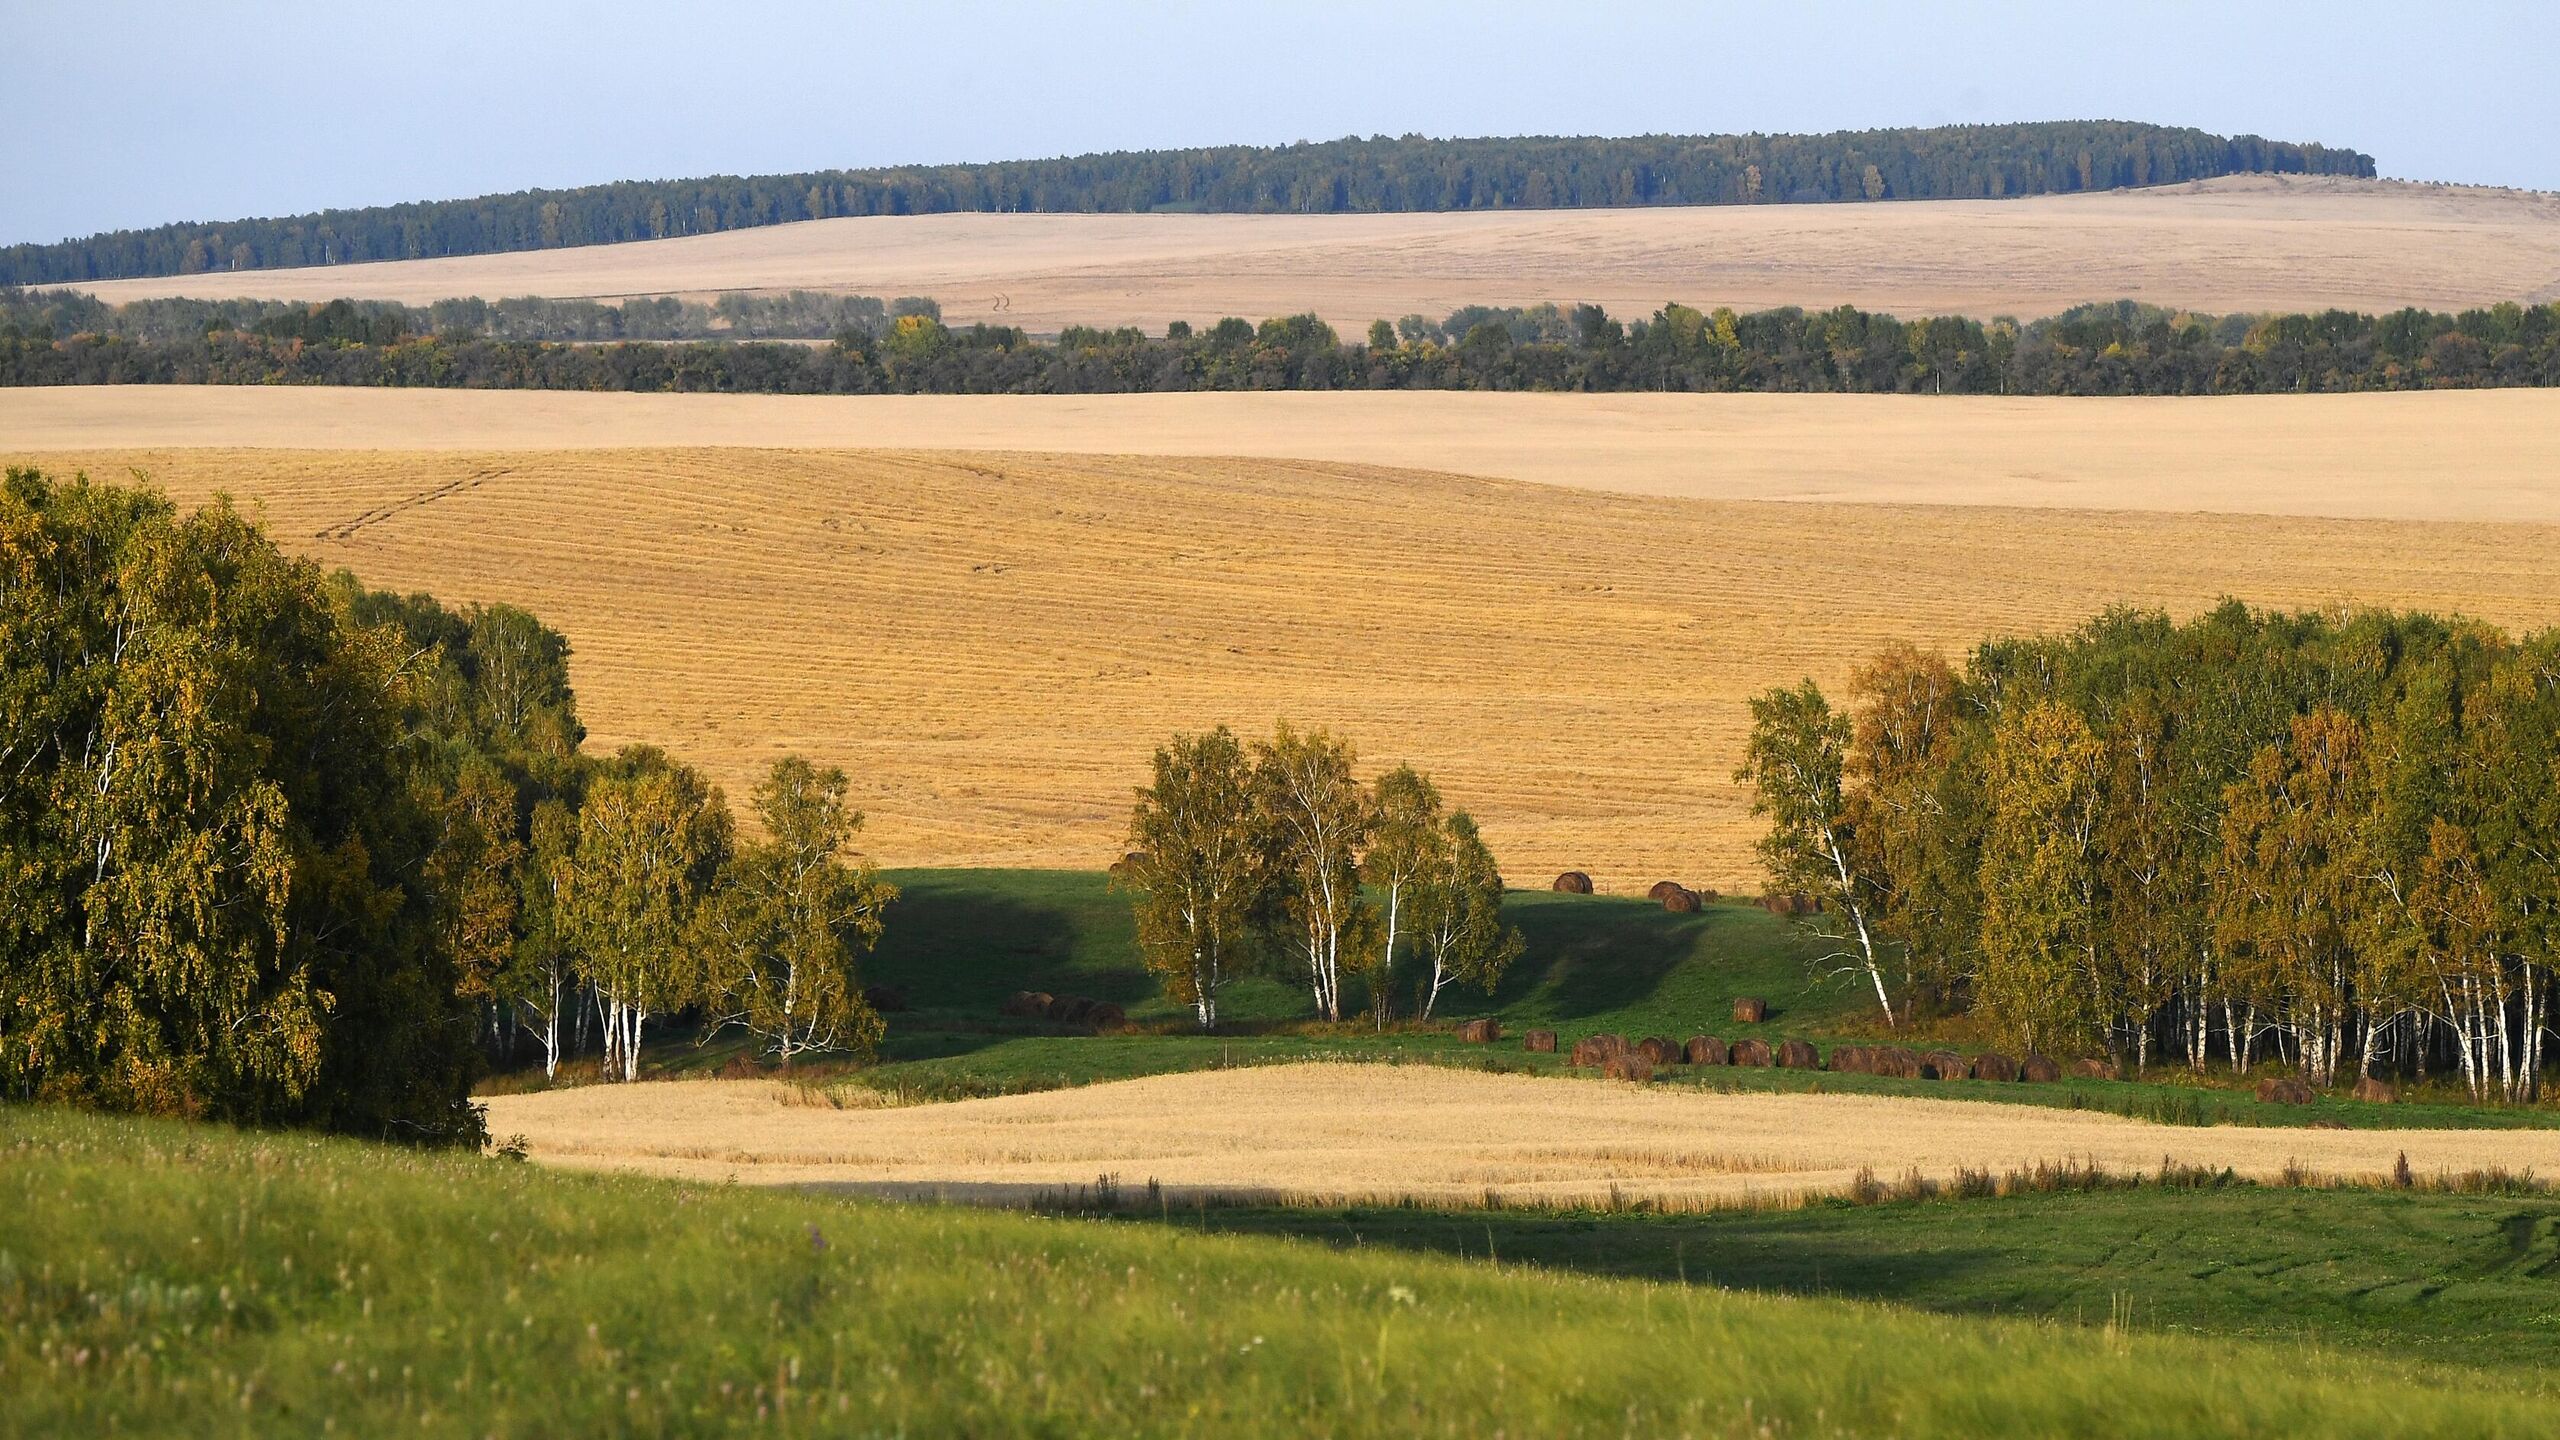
{"x": 2323, "y": 840}
{"x": 903, "y": 348}
{"x": 1403, "y": 173}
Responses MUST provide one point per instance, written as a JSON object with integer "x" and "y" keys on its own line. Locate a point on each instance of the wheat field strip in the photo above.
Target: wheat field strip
{"x": 992, "y": 644}
{"x": 2437, "y": 455}
{"x": 1337, "y": 1132}
{"x": 2239, "y": 243}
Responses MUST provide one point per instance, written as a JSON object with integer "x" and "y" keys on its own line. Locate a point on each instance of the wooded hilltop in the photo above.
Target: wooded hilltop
{"x": 1403, "y": 173}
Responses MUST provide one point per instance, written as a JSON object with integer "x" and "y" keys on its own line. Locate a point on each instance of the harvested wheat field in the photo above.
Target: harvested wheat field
{"x": 2240, "y": 243}
{"x": 993, "y": 644}
{"x": 2439, "y": 455}
{"x": 1325, "y": 1133}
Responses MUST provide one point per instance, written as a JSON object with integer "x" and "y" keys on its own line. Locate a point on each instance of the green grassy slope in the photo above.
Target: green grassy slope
{"x": 164, "y": 1279}
{"x": 960, "y": 941}
{"x": 2457, "y": 1278}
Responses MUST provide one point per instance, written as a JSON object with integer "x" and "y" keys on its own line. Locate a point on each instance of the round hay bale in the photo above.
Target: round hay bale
{"x": 1681, "y": 902}
{"x": 1106, "y": 1016}
{"x": 1019, "y": 1003}
{"x": 2283, "y": 1090}
{"x": 1750, "y": 1010}
{"x": 1992, "y": 1065}
{"x": 2039, "y": 1068}
{"x": 1898, "y": 1063}
{"x": 1071, "y": 1010}
{"x": 1944, "y": 1065}
{"x": 1480, "y": 1032}
{"x": 1663, "y": 890}
{"x": 1573, "y": 882}
{"x": 1539, "y": 1042}
{"x": 1852, "y": 1059}
{"x": 887, "y": 999}
{"x": 1630, "y": 1066}
{"x": 1659, "y": 1050}
{"x": 1751, "y": 1052}
{"x": 1704, "y": 1050}
{"x": 1799, "y": 1055}
{"x": 1599, "y": 1048}
{"x": 2375, "y": 1090}
{"x": 2095, "y": 1070}
{"x": 1127, "y": 865}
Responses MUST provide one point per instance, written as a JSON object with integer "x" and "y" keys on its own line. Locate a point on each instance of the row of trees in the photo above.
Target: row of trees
{"x": 280, "y": 849}
{"x": 2332, "y": 840}
{"x": 2119, "y": 349}
{"x": 1410, "y": 172}
{"x": 734, "y": 315}
{"x": 1277, "y": 854}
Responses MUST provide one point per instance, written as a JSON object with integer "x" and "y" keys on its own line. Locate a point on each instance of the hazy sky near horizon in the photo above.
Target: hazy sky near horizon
{"x": 139, "y": 112}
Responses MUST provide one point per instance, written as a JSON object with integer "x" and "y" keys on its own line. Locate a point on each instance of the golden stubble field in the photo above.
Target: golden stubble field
{"x": 992, "y": 643}
{"x": 2440, "y": 455}
{"x": 1350, "y": 1133}
{"x": 2240, "y": 243}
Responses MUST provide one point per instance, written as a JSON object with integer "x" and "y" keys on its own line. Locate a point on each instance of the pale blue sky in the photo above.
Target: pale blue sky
{"x": 129, "y": 113}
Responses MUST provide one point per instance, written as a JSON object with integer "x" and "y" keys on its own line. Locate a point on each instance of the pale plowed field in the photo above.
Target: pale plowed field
{"x": 2443, "y": 455}
{"x": 1364, "y": 1133}
{"x": 992, "y": 644}
{"x": 2242, "y": 243}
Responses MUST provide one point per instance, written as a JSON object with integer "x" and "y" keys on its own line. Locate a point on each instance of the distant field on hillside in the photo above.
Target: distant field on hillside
{"x": 993, "y": 644}
{"x": 1351, "y": 1133}
{"x": 2240, "y": 243}
{"x": 2444, "y": 455}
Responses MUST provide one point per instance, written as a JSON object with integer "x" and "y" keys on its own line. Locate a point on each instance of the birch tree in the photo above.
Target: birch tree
{"x": 651, "y": 837}
{"x": 1409, "y": 830}
{"x": 1199, "y": 866}
{"x": 1794, "y": 766}
{"x": 1318, "y": 820}
{"x": 780, "y": 934}
{"x": 1457, "y": 910}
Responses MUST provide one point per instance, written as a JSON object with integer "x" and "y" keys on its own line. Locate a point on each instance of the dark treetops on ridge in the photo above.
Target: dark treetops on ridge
{"x": 1405, "y": 173}
{"x": 2124, "y": 348}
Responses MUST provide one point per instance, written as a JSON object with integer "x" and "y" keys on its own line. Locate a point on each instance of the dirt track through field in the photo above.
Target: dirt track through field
{"x": 2240, "y": 243}
{"x": 1343, "y": 1132}
{"x": 992, "y": 645}
{"x": 2444, "y": 455}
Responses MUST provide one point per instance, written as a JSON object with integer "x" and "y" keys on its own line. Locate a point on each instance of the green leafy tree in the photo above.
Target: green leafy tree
{"x": 780, "y": 934}
{"x": 1401, "y": 848}
{"x": 1794, "y": 764}
{"x": 1200, "y": 867}
{"x": 2036, "y": 976}
{"x": 212, "y": 898}
{"x": 1457, "y": 910}
{"x": 1317, "y": 819}
{"x": 652, "y": 836}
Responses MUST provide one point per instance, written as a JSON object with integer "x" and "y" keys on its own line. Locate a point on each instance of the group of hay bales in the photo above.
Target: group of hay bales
{"x": 1798, "y": 904}
{"x": 1603, "y": 1052}
{"x": 1065, "y": 1009}
{"x": 1679, "y": 899}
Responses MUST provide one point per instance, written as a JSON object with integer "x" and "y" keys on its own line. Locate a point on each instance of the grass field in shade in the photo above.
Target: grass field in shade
{"x": 159, "y": 1278}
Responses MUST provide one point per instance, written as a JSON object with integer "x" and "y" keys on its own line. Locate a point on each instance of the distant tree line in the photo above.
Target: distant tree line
{"x": 275, "y": 848}
{"x": 1405, "y": 173}
{"x": 736, "y": 315}
{"x": 2116, "y": 349}
{"x": 1276, "y": 856}
{"x": 2330, "y": 841}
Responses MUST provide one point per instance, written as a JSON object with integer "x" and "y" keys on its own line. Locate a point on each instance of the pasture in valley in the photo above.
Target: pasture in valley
{"x": 2239, "y": 243}
{"x": 992, "y": 643}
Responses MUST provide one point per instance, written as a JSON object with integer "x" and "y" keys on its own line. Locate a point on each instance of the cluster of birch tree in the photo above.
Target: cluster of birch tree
{"x": 278, "y": 848}
{"x": 1276, "y": 854}
{"x": 2329, "y": 840}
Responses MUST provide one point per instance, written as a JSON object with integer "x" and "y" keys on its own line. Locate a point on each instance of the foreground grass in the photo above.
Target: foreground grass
{"x": 2463, "y": 1279}
{"x": 169, "y": 1279}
